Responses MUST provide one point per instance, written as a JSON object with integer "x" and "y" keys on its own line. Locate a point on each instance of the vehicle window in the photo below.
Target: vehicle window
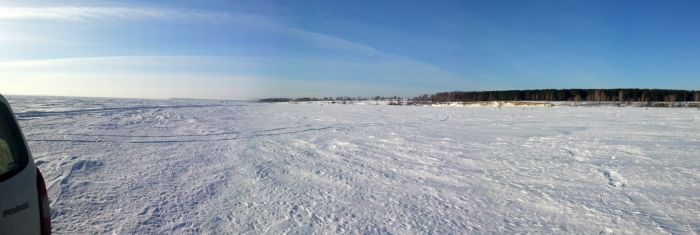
{"x": 12, "y": 158}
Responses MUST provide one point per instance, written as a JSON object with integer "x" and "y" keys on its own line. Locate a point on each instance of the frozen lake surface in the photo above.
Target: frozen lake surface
{"x": 197, "y": 166}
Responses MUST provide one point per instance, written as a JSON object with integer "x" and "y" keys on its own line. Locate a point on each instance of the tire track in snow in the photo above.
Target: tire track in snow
{"x": 33, "y": 114}
{"x": 647, "y": 208}
{"x": 251, "y": 135}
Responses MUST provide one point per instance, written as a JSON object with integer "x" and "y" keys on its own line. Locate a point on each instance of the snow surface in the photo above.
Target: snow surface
{"x": 198, "y": 166}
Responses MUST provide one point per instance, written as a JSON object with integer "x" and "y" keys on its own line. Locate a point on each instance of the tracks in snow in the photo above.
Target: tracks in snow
{"x": 227, "y": 136}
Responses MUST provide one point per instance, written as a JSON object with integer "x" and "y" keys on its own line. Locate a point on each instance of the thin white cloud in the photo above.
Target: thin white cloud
{"x": 72, "y": 13}
{"x": 249, "y": 77}
{"x": 368, "y": 58}
{"x": 357, "y": 49}
{"x": 130, "y": 61}
{"x": 134, "y": 76}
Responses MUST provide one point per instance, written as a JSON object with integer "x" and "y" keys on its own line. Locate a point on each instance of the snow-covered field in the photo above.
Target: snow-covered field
{"x": 196, "y": 166}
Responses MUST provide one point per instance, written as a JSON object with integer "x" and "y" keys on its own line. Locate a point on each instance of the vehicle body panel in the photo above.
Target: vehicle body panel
{"x": 19, "y": 202}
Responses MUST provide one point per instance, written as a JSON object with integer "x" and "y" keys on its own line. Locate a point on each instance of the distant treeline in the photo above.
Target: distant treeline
{"x": 576, "y": 95}
{"x": 272, "y": 100}
{"x": 339, "y": 98}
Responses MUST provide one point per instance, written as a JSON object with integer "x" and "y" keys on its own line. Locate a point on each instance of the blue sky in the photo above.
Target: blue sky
{"x": 255, "y": 49}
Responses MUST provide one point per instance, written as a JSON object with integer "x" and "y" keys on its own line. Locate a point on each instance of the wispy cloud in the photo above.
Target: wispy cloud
{"x": 131, "y": 61}
{"x": 71, "y": 13}
{"x": 371, "y": 54}
{"x": 355, "y": 60}
{"x": 134, "y": 76}
{"x": 249, "y": 77}
{"x": 80, "y": 13}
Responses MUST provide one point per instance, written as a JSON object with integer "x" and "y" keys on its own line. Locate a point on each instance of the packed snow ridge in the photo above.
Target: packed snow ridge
{"x": 129, "y": 166}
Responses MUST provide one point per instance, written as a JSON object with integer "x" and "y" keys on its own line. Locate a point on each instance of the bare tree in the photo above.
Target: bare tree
{"x": 621, "y": 97}
{"x": 671, "y": 99}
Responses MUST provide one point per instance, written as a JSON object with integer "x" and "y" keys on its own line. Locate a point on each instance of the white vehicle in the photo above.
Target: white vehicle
{"x": 24, "y": 203}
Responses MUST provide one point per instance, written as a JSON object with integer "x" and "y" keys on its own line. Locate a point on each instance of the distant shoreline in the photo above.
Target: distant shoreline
{"x": 505, "y": 104}
{"x": 574, "y": 97}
